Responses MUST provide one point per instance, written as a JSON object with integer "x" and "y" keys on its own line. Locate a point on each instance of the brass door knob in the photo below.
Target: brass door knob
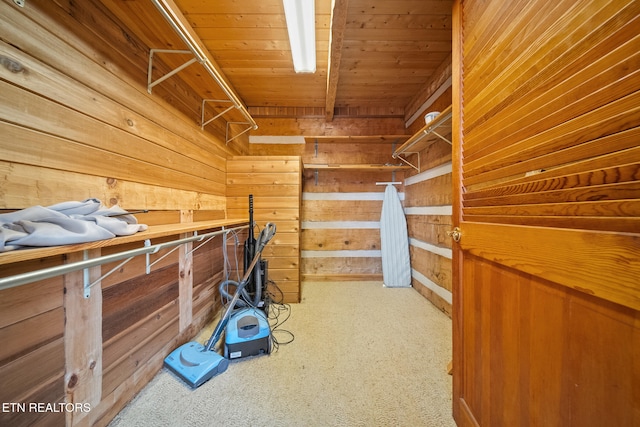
{"x": 455, "y": 234}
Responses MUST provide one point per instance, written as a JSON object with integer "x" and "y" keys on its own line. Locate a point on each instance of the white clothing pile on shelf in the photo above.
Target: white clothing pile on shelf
{"x": 65, "y": 223}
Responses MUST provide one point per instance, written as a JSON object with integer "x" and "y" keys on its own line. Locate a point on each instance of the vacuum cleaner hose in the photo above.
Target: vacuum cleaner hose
{"x": 264, "y": 237}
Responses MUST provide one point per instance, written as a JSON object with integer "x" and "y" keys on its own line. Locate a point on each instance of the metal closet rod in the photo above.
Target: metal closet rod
{"x": 168, "y": 10}
{"x": 47, "y": 273}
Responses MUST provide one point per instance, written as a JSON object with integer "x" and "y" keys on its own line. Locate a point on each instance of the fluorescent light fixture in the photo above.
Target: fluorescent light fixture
{"x": 301, "y": 24}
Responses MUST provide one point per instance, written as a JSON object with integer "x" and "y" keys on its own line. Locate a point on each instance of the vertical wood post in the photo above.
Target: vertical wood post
{"x": 82, "y": 341}
{"x": 185, "y": 283}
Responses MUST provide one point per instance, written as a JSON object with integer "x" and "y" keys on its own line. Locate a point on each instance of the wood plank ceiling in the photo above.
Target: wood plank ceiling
{"x": 373, "y": 56}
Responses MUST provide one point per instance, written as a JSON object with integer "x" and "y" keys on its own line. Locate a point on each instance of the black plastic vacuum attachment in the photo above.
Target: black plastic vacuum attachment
{"x": 249, "y": 250}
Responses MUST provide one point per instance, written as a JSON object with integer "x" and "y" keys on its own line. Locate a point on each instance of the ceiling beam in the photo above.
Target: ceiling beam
{"x": 336, "y": 37}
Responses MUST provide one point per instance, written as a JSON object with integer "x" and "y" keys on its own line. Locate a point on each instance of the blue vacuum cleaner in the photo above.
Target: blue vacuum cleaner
{"x": 248, "y": 334}
{"x": 196, "y": 363}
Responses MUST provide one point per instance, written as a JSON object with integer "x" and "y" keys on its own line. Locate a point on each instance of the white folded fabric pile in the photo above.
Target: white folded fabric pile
{"x": 65, "y": 223}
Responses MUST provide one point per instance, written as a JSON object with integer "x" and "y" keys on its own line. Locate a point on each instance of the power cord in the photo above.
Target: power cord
{"x": 276, "y": 309}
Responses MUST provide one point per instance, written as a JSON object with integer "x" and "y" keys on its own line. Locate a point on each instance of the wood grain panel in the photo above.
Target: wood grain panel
{"x": 544, "y": 158}
{"x": 130, "y": 301}
{"x": 51, "y": 391}
{"x": 430, "y": 228}
{"x": 78, "y": 122}
{"x": 270, "y": 164}
{"x": 544, "y": 55}
{"x": 433, "y": 266}
{"x": 409, "y": 7}
{"x": 609, "y": 208}
{"x": 342, "y": 267}
{"x": 264, "y": 190}
{"x": 27, "y": 335}
{"x": 528, "y": 250}
{"x": 140, "y": 356}
{"x": 557, "y": 144}
{"x": 32, "y": 360}
{"x": 353, "y": 153}
{"x": 525, "y": 115}
{"x": 287, "y": 251}
{"x": 338, "y": 210}
{"x": 340, "y": 239}
{"x": 431, "y": 186}
{"x": 432, "y": 297}
{"x": 563, "y": 188}
{"x": 339, "y": 181}
{"x": 51, "y": 84}
{"x": 601, "y": 153}
{"x": 580, "y": 367}
{"x": 23, "y": 302}
{"x": 28, "y": 373}
{"x": 81, "y": 94}
{"x": 119, "y": 347}
{"x": 280, "y": 178}
{"x": 27, "y": 146}
{"x": 240, "y": 204}
{"x": 130, "y": 36}
{"x": 611, "y": 118}
{"x": 600, "y": 223}
{"x": 275, "y": 183}
{"x": 28, "y": 185}
{"x": 207, "y": 261}
{"x": 432, "y": 192}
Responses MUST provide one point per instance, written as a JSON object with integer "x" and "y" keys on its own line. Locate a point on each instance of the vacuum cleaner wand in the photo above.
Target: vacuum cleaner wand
{"x": 265, "y": 236}
{"x": 250, "y": 248}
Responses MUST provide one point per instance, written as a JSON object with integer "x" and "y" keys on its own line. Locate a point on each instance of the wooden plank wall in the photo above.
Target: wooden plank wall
{"x": 341, "y": 211}
{"x": 32, "y": 361}
{"x": 139, "y": 319}
{"x": 112, "y": 140}
{"x": 76, "y": 121}
{"x": 276, "y": 185}
{"x": 428, "y": 207}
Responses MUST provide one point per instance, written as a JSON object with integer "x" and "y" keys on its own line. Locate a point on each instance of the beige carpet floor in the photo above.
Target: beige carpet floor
{"x": 363, "y": 355}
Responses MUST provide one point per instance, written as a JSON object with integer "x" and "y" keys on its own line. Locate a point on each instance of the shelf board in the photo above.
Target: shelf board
{"x": 361, "y": 167}
{"x": 154, "y": 231}
{"x": 370, "y": 139}
{"x": 438, "y": 129}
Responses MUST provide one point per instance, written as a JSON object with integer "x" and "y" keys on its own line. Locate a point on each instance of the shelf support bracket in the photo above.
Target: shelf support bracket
{"x": 226, "y": 137}
{"x": 204, "y": 102}
{"x": 87, "y": 287}
{"x": 150, "y": 82}
{"x": 441, "y": 137}
{"x": 399, "y": 156}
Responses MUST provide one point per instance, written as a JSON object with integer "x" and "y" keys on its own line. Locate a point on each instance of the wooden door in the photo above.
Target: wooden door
{"x": 547, "y": 182}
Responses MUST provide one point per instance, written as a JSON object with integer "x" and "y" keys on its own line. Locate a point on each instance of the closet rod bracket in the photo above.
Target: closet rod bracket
{"x": 399, "y": 156}
{"x": 225, "y": 111}
{"x": 442, "y": 137}
{"x": 250, "y": 127}
{"x": 150, "y": 82}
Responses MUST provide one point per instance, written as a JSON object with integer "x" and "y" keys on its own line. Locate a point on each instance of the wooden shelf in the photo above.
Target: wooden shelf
{"x": 153, "y": 232}
{"x": 438, "y": 129}
{"x": 361, "y": 167}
